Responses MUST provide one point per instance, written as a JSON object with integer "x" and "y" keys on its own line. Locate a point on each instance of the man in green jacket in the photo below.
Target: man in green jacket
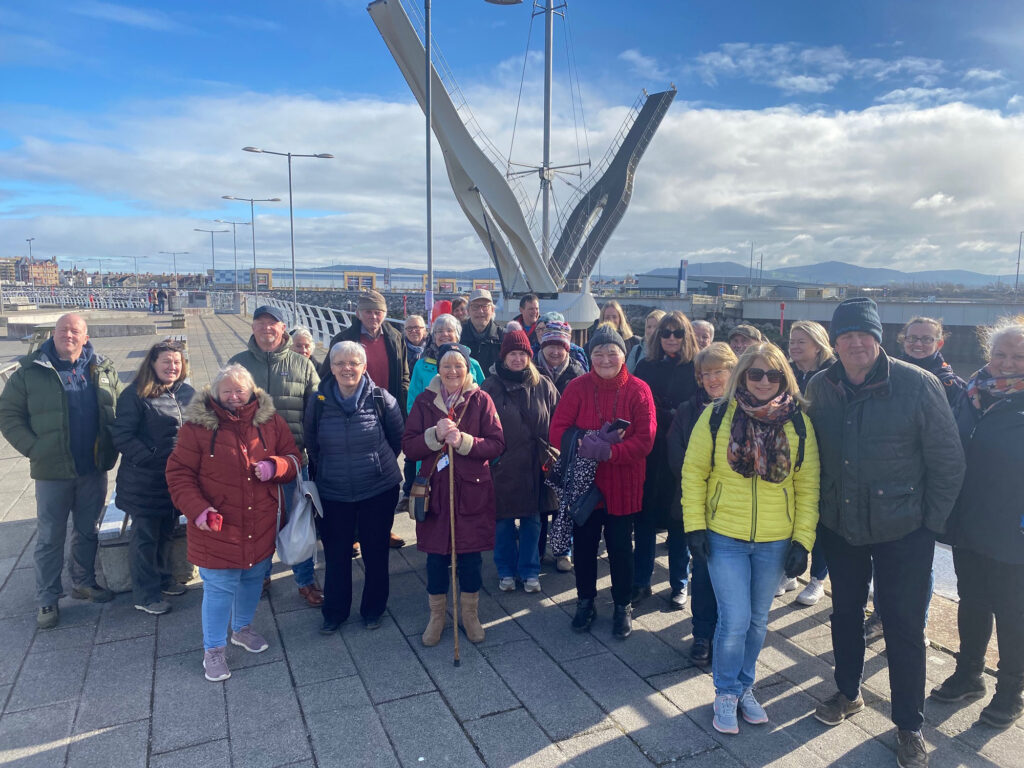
{"x": 57, "y": 409}
{"x": 891, "y": 469}
{"x": 289, "y": 378}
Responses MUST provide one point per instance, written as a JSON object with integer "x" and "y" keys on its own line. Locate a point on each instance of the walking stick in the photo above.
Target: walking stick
{"x": 451, "y": 526}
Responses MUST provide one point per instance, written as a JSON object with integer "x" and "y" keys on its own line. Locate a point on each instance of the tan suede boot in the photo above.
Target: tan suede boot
{"x": 438, "y": 611}
{"x": 468, "y": 603}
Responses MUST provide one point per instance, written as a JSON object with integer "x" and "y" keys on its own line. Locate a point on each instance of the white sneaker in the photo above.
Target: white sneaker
{"x": 786, "y": 585}
{"x": 507, "y": 584}
{"x": 812, "y": 593}
{"x": 532, "y": 585}
{"x": 563, "y": 564}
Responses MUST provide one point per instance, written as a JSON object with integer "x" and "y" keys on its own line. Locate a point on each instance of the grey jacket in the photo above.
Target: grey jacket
{"x": 891, "y": 459}
{"x": 288, "y": 377}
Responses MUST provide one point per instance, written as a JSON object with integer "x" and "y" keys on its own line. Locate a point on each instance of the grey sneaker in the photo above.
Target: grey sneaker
{"x": 505, "y": 583}
{"x": 174, "y": 589}
{"x": 751, "y": 710}
{"x": 94, "y": 594}
{"x": 532, "y": 585}
{"x": 156, "y": 608}
{"x": 48, "y": 617}
{"x": 215, "y": 666}
{"x": 725, "y": 714}
{"x": 786, "y": 585}
{"x": 834, "y": 710}
{"x": 910, "y": 750}
{"x": 250, "y": 639}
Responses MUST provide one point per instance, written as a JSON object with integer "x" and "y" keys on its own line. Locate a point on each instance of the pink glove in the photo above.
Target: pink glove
{"x": 265, "y": 470}
{"x": 201, "y": 520}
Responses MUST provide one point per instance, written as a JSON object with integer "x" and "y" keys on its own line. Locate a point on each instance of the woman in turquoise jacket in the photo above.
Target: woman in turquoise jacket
{"x": 445, "y": 330}
{"x": 750, "y": 507}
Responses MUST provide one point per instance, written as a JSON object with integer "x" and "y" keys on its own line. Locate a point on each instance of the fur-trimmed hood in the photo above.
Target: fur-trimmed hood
{"x": 204, "y": 411}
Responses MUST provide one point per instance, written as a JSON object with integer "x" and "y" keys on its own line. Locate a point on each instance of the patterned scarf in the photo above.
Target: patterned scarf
{"x": 984, "y": 389}
{"x": 757, "y": 442}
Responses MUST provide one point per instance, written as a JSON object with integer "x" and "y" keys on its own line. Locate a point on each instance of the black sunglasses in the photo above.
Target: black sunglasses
{"x": 774, "y": 375}
{"x": 679, "y": 333}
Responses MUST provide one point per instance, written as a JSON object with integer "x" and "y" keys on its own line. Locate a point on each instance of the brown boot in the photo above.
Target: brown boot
{"x": 438, "y": 611}
{"x": 468, "y": 602}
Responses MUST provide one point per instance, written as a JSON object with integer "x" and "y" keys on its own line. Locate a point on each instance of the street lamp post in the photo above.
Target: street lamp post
{"x": 234, "y": 242}
{"x": 1017, "y": 278}
{"x": 213, "y": 256}
{"x": 174, "y": 259}
{"x": 291, "y": 213}
{"x": 252, "y": 228}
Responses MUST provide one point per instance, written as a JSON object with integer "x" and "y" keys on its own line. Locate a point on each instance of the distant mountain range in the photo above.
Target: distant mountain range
{"x": 842, "y": 273}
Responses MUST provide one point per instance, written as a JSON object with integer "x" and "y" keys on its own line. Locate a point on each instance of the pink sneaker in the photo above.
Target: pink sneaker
{"x": 250, "y": 639}
{"x": 215, "y": 665}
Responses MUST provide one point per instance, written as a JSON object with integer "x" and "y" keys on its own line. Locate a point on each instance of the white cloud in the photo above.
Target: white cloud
{"x": 123, "y": 14}
{"x": 643, "y": 66}
{"x": 984, "y": 75}
{"x": 901, "y": 186}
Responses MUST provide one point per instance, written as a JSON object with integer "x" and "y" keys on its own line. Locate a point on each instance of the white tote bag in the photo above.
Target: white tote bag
{"x": 296, "y": 541}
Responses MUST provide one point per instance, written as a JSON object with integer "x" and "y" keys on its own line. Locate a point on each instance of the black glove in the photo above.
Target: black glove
{"x": 796, "y": 560}
{"x": 699, "y": 545}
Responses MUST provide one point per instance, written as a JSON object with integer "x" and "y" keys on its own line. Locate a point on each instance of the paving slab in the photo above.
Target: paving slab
{"x": 37, "y": 738}
{"x": 213, "y": 754}
{"x": 265, "y": 725}
{"x": 472, "y": 689}
{"x": 49, "y": 678}
{"x": 118, "y": 685}
{"x": 312, "y": 657}
{"x": 513, "y": 738}
{"x": 96, "y": 748}
{"x": 605, "y": 748}
{"x": 424, "y": 732}
{"x": 402, "y": 675}
{"x": 345, "y": 728}
{"x": 120, "y": 620}
{"x": 16, "y": 635}
{"x": 187, "y": 708}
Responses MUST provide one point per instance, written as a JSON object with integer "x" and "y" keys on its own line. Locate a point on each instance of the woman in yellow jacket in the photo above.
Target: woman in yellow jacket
{"x": 750, "y": 507}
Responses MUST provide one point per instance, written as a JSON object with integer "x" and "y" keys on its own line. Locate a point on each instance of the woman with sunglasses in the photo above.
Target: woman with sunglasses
{"x": 668, "y": 370}
{"x": 750, "y": 505}
{"x": 922, "y": 340}
{"x": 149, "y": 414}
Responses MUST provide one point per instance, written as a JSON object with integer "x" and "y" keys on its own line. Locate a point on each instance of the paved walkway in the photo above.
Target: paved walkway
{"x": 114, "y": 687}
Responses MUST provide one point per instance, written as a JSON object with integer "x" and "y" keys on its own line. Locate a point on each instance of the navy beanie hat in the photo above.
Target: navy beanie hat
{"x": 605, "y": 334}
{"x": 860, "y": 314}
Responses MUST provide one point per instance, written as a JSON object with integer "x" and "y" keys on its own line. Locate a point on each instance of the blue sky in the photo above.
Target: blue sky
{"x": 881, "y": 133}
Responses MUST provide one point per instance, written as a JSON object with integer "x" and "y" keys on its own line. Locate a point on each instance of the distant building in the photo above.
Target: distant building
{"x": 9, "y": 270}
{"x": 37, "y": 272}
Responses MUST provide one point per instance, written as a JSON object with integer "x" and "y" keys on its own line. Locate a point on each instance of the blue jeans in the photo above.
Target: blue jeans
{"x": 303, "y": 571}
{"x": 745, "y": 576}
{"x": 229, "y": 593}
{"x": 515, "y": 549}
{"x": 644, "y": 542}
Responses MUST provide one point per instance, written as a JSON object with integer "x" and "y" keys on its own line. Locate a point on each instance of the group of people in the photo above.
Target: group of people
{"x": 157, "y": 298}
{"x": 755, "y": 463}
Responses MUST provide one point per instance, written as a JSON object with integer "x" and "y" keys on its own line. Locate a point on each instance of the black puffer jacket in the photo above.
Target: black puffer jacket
{"x": 484, "y": 347}
{"x": 891, "y": 459}
{"x": 352, "y": 458}
{"x": 677, "y": 439}
{"x": 671, "y": 384}
{"x": 987, "y": 516}
{"x": 145, "y": 431}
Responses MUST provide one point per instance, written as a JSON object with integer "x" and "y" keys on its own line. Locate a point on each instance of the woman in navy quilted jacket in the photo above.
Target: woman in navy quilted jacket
{"x": 353, "y": 431}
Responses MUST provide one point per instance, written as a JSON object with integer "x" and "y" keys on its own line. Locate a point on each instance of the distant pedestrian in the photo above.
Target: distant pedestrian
{"x": 149, "y": 415}
{"x": 481, "y": 333}
{"x": 303, "y": 343}
{"x": 922, "y": 339}
{"x": 637, "y": 353}
{"x": 161, "y": 300}
{"x": 613, "y": 314}
{"x": 529, "y": 315}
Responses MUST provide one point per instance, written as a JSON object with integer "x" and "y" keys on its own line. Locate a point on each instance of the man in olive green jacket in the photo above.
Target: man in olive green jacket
{"x": 289, "y": 378}
{"x": 56, "y": 410}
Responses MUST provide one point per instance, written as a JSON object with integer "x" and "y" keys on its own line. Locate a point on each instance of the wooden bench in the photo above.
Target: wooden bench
{"x": 178, "y": 320}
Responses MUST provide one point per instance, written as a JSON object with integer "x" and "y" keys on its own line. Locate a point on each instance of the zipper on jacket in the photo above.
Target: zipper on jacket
{"x": 753, "y": 510}
{"x": 714, "y": 499}
{"x": 785, "y": 493}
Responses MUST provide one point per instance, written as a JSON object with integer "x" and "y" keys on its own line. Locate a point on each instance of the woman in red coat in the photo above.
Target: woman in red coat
{"x": 233, "y": 453}
{"x": 454, "y": 420}
{"x": 592, "y": 403}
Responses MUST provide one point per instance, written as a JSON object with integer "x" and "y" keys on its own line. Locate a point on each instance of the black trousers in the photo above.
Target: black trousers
{"x": 902, "y": 571}
{"x": 374, "y": 516}
{"x": 990, "y": 590}
{"x": 618, "y": 539}
{"x": 149, "y": 555}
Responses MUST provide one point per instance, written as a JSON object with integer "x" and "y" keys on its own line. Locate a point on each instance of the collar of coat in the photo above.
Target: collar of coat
{"x": 203, "y": 412}
{"x": 283, "y": 349}
{"x": 435, "y": 387}
{"x": 875, "y": 385}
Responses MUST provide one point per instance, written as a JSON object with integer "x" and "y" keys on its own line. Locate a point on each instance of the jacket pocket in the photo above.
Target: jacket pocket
{"x": 785, "y": 496}
{"x": 894, "y": 510}
{"x": 713, "y": 501}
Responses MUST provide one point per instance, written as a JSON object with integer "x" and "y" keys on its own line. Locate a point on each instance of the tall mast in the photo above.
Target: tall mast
{"x": 545, "y": 171}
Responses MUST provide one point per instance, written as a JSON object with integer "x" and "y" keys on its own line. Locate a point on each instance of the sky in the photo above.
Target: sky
{"x": 878, "y": 133}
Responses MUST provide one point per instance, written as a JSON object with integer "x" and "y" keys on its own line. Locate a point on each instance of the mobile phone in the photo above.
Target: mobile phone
{"x": 619, "y": 424}
{"x": 215, "y": 520}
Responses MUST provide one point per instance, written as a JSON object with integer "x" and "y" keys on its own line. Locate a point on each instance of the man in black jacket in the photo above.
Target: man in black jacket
{"x": 480, "y": 333}
{"x": 891, "y": 469}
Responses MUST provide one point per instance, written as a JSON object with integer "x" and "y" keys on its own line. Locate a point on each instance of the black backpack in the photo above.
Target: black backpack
{"x": 718, "y": 413}
{"x": 378, "y": 405}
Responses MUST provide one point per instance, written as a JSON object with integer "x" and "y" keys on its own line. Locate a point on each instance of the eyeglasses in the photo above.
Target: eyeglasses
{"x": 678, "y": 333}
{"x": 916, "y": 339}
{"x": 774, "y": 375}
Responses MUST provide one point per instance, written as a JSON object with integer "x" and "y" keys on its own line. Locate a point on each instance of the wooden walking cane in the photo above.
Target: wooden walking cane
{"x": 451, "y": 526}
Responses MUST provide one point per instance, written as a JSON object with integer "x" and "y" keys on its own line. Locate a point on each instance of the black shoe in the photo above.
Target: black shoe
{"x": 960, "y": 686}
{"x": 371, "y": 622}
{"x": 639, "y": 594}
{"x": 1004, "y": 709}
{"x": 174, "y": 589}
{"x": 700, "y": 651}
{"x": 910, "y": 750}
{"x": 622, "y": 621}
{"x": 585, "y": 614}
{"x": 329, "y": 627}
